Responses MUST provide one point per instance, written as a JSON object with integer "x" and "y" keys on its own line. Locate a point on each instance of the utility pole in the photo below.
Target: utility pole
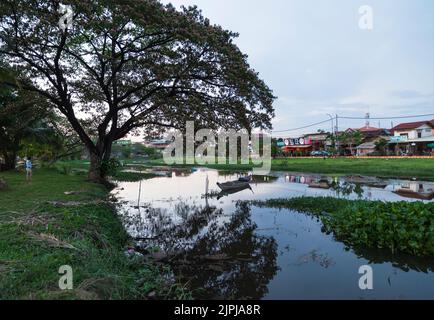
{"x": 337, "y": 135}
{"x": 332, "y": 132}
{"x": 331, "y": 119}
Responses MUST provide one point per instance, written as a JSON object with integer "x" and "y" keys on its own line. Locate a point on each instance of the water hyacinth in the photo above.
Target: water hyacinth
{"x": 399, "y": 226}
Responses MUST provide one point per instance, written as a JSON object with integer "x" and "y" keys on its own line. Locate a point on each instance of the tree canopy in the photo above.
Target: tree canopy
{"x": 24, "y": 119}
{"x": 128, "y": 64}
{"x": 351, "y": 138}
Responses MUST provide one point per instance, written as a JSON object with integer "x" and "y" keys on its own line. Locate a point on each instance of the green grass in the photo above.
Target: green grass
{"x": 37, "y": 237}
{"x": 398, "y": 226}
{"x": 403, "y": 168}
{"x": 47, "y": 185}
{"x": 77, "y": 164}
{"x": 132, "y": 176}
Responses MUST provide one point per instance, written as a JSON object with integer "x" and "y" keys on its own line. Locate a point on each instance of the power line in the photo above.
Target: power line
{"x": 389, "y": 118}
{"x": 304, "y": 127}
{"x": 354, "y": 118}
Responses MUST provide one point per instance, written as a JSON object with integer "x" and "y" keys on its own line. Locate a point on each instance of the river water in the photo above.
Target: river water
{"x": 229, "y": 250}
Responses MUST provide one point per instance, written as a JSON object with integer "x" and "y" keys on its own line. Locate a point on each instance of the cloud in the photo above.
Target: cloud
{"x": 410, "y": 94}
{"x": 317, "y": 61}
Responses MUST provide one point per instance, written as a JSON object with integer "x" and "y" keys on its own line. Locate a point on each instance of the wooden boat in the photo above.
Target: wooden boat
{"x": 233, "y": 191}
{"x": 414, "y": 195}
{"x": 233, "y": 185}
{"x": 245, "y": 179}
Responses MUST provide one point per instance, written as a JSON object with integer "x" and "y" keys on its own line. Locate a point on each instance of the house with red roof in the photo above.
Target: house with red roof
{"x": 370, "y": 135}
{"x": 413, "y": 137}
{"x": 414, "y": 130}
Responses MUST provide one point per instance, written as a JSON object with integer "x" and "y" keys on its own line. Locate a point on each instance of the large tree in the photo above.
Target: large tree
{"x": 128, "y": 64}
{"x": 24, "y": 116}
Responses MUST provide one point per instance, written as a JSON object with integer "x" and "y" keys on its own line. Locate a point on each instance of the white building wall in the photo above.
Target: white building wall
{"x": 425, "y": 130}
{"x": 412, "y": 134}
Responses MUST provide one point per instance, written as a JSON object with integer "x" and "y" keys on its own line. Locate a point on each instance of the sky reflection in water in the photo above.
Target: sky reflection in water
{"x": 233, "y": 251}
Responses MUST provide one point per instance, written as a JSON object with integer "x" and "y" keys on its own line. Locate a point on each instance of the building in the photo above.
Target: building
{"x": 297, "y": 147}
{"x": 319, "y": 141}
{"x": 121, "y": 149}
{"x": 413, "y": 138}
{"x": 304, "y": 145}
{"x": 160, "y": 144}
{"x": 369, "y": 136}
{"x": 414, "y": 130}
{"x": 365, "y": 149}
{"x": 122, "y": 143}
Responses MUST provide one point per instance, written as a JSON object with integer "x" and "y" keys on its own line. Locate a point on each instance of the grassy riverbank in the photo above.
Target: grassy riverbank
{"x": 42, "y": 229}
{"x": 405, "y": 167}
{"x": 399, "y": 226}
{"x": 402, "y": 167}
{"x": 126, "y": 176}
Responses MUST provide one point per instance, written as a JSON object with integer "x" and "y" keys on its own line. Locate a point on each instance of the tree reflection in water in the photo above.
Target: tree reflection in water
{"x": 404, "y": 262}
{"x": 223, "y": 256}
{"x": 347, "y": 188}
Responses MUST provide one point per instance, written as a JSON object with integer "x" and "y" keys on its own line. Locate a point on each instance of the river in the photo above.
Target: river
{"x": 226, "y": 249}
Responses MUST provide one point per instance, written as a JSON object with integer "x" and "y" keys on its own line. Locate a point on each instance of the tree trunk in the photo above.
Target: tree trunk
{"x": 10, "y": 161}
{"x": 95, "y": 173}
{"x": 108, "y": 151}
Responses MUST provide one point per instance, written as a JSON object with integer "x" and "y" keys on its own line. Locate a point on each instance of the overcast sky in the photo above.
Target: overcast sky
{"x": 317, "y": 60}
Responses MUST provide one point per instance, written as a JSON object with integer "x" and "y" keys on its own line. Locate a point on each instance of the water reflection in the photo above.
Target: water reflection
{"x": 226, "y": 193}
{"x": 402, "y": 262}
{"x": 225, "y": 260}
{"x": 230, "y": 192}
{"x": 245, "y": 261}
{"x": 224, "y": 249}
{"x": 347, "y": 188}
{"x": 363, "y": 186}
{"x": 169, "y": 227}
{"x": 415, "y": 190}
{"x": 316, "y": 257}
